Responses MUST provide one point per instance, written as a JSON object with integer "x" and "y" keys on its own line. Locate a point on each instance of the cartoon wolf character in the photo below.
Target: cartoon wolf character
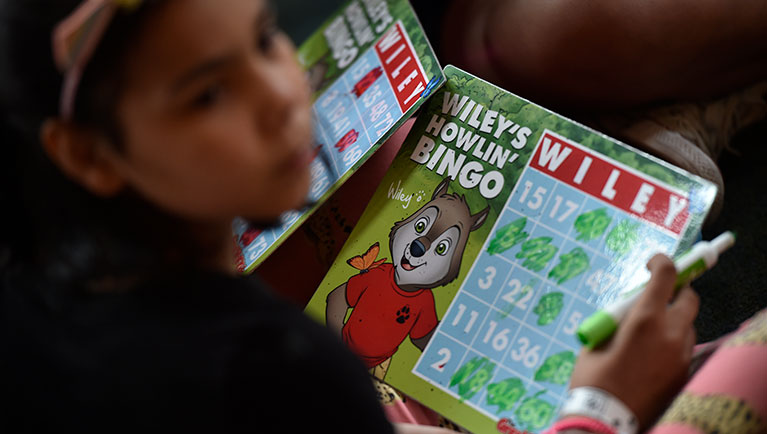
{"x": 394, "y": 300}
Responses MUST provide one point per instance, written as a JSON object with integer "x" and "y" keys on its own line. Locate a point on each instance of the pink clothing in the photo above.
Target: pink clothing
{"x": 728, "y": 394}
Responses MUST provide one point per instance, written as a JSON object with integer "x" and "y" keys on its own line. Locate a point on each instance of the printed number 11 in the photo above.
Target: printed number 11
{"x": 472, "y": 318}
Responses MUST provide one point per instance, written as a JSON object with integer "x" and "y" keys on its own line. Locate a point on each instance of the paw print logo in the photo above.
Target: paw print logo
{"x": 419, "y": 196}
{"x": 403, "y": 314}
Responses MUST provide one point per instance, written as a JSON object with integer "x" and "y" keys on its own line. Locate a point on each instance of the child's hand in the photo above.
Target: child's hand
{"x": 646, "y": 362}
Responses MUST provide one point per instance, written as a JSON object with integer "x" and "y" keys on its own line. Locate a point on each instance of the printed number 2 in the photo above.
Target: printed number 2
{"x": 439, "y": 365}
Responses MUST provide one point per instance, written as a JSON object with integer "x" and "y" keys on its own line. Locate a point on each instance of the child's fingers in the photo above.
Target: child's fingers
{"x": 660, "y": 287}
{"x": 684, "y": 308}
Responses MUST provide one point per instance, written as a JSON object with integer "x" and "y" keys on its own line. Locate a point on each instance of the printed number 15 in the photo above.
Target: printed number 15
{"x": 537, "y": 199}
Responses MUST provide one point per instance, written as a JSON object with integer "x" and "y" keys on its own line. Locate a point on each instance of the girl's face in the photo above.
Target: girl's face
{"x": 216, "y": 113}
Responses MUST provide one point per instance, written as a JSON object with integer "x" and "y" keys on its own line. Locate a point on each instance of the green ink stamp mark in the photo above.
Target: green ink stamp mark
{"x": 508, "y": 236}
{"x": 534, "y": 413}
{"x": 537, "y": 253}
{"x": 591, "y": 225}
{"x": 623, "y": 237}
{"x": 505, "y": 394}
{"x": 570, "y": 265}
{"x": 557, "y": 368}
{"x": 548, "y": 307}
{"x": 472, "y": 377}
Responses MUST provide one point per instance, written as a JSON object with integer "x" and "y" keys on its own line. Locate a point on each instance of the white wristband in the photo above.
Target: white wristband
{"x": 598, "y": 404}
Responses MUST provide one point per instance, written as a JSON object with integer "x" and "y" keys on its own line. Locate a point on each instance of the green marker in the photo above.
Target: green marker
{"x": 703, "y": 255}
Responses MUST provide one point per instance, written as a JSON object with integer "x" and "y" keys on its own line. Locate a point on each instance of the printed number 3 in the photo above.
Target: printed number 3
{"x": 485, "y": 283}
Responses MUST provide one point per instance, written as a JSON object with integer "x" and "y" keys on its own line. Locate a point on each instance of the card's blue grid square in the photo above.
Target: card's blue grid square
{"x": 515, "y": 297}
{"x": 531, "y": 194}
{"x": 441, "y": 359}
{"x": 487, "y": 277}
{"x": 563, "y": 208}
{"x": 464, "y": 318}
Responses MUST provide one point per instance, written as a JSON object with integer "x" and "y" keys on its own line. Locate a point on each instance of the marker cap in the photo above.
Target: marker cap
{"x": 723, "y": 242}
{"x": 596, "y": 328}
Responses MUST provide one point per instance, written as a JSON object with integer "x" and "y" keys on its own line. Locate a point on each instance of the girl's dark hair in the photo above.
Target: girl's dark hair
{"x": 48, "y": 221}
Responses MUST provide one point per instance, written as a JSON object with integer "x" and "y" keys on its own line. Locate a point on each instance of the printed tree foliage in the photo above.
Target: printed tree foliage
{"x": 623, "y": 237}
{"x": 505, "y": 394}
{"x": 537, "y": 253}
{"x": 472, "y": 377}
{"x": 592, "y": 225}
{"x": 534, "y": 413}
{"x": 548, "y": 308}
{"x": 570, "y": 265}
{"x": 508, "y": 236}
{"x": 557, "y": 368}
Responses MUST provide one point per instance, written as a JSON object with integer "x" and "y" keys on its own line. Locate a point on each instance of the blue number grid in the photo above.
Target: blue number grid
{"x": 359, "y": 116}
{"x": 359, "y": 112}
{"x": 502, "y": 293}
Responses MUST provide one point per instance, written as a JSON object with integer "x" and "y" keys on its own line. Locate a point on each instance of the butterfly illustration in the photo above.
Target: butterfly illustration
{"x": 367, "y": 261}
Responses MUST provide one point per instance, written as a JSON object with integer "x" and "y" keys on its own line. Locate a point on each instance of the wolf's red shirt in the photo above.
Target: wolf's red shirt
{"x": 384, "y": 315}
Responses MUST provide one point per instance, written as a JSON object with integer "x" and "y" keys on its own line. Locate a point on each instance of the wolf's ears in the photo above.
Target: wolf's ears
{"x": 441, "y": 188}
{"x": 479, "y": 218}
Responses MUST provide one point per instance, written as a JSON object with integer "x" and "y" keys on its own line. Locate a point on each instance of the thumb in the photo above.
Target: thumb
{"x": 660, "y": 288}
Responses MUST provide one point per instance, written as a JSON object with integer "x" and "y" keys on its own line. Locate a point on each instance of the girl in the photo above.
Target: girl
{"x": 125, "y": 157}
{"x": 131, "y": 138}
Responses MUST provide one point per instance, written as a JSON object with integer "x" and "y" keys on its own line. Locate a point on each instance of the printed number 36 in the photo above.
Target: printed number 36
{"x": 526, "y": 354}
